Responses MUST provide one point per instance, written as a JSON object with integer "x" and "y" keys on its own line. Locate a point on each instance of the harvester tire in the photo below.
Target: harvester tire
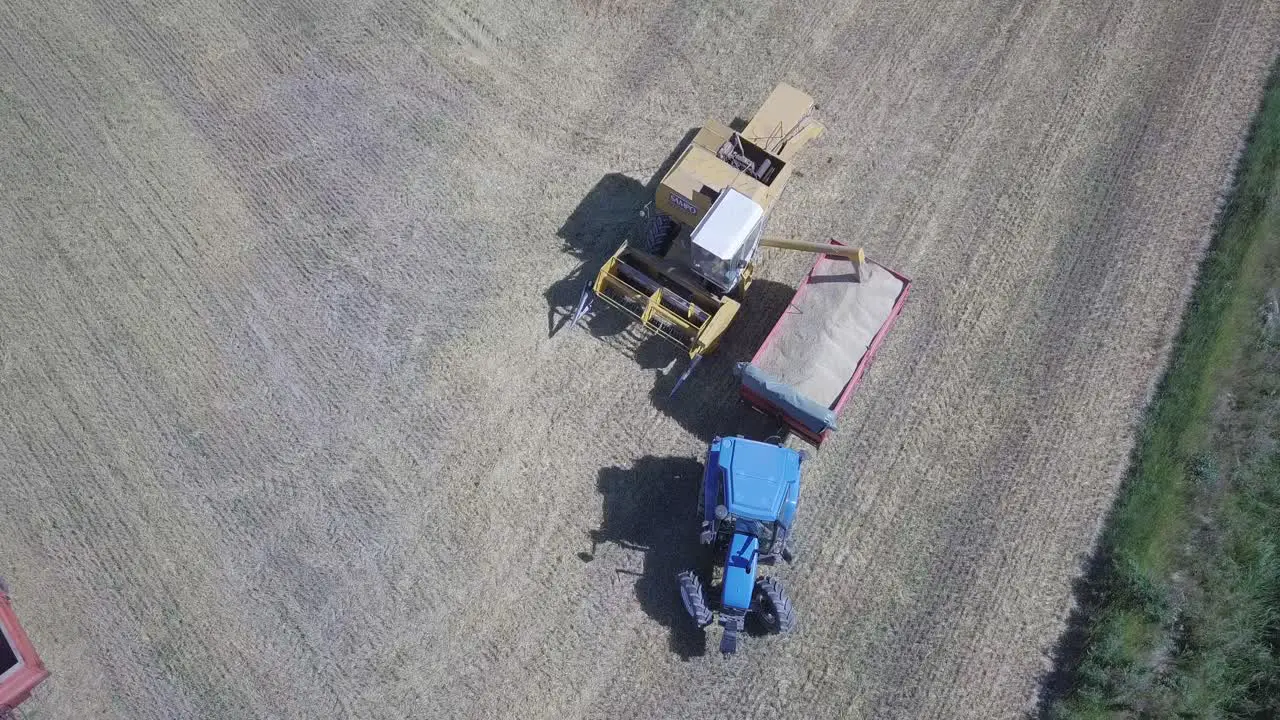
{"x": 773, "y": 607}
{"x": 694, "y": 598}
{"x": 659, "y": 231}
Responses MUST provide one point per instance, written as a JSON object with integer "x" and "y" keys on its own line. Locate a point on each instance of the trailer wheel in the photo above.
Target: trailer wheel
{"x": 694, "y": 598}
{"x": 773, "y": 607}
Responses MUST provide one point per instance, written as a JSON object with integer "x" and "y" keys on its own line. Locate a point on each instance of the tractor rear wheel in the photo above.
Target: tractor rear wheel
{"x": 694, "y": 598}
{"x": 773, "y": 607}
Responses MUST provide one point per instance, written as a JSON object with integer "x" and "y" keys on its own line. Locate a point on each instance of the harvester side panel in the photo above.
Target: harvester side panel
{"x": 697, "y": 179}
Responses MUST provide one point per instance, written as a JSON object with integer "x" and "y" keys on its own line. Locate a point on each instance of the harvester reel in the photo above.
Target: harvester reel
{"x": 694, "y": 598}
{"x": 773, "y": 607}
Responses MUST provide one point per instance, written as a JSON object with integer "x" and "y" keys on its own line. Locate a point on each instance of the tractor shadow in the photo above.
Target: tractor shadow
{"x": 652, "y": 507}
{"x": 708, "y": 404}
{"x": 608, "y": 214}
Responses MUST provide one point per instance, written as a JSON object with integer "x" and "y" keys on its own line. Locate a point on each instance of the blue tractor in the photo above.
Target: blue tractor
{"x": 750, "y": 491}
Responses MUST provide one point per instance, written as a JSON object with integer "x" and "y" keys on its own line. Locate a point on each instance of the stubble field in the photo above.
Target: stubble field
{"x": 285, "y": 430}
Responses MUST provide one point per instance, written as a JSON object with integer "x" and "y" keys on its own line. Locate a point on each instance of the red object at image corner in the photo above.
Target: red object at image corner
{"x": 21, "y": 669}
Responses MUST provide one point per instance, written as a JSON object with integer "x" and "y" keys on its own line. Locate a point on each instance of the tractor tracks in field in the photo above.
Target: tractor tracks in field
{"x": 425, "y": 504}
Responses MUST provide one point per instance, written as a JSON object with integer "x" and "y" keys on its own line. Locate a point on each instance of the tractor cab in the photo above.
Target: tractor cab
{"x": 750, "y": 492}
{"x": 756, "y": 488}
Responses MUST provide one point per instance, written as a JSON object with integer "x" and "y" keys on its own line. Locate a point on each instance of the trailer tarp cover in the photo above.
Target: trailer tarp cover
{"x": 814, "y": 416}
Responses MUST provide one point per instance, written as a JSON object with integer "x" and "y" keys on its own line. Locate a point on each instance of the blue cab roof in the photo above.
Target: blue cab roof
{"x": 757, "y": 477}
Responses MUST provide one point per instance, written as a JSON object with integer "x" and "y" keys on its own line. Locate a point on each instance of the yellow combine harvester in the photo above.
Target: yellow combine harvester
{"x": 684, "y": 278}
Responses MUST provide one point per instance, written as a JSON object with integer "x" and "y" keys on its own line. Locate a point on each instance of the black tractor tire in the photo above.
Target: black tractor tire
{"x": 773, "y": 607}
{"x": 658, "y": 233}
{"x": 694, "y": 598}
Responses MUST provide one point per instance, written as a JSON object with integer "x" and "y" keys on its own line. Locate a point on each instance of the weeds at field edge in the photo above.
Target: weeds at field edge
{"x": 1176, "y": 612}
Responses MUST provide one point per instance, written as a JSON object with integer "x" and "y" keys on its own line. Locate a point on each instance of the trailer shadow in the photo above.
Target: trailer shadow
{"x": 593, "y": 231}
{"x": 651, "y": 507}
{"x": 708, "y": 404}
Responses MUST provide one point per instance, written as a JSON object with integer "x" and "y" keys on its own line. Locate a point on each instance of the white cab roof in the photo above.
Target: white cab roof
{"x": 728, "y": 224}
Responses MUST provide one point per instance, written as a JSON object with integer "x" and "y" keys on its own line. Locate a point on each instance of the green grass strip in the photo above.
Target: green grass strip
{"x": 1181, "y": 615}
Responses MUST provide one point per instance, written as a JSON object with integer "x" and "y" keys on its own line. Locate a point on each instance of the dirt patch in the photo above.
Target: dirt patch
{"x": 283, "y": 434}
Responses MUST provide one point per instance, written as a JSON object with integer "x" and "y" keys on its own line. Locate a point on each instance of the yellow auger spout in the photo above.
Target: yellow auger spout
{"x": 854, "y": 254}
{"x": 844, "y": 251}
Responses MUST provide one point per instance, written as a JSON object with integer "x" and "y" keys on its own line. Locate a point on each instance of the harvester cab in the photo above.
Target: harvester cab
{"x": 722, "y": 245}
{"x": 750, "y": 491}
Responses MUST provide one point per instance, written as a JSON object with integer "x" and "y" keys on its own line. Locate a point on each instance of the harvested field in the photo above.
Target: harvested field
{"x": 285, "y": 435}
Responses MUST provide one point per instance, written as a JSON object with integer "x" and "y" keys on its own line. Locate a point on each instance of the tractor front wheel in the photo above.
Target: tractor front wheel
{"x": 773, "y": 607}
{"x": 694, "y": 598}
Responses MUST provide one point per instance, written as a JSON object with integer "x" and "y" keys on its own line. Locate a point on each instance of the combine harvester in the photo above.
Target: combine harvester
{"x": 685, "y": 279}
{"x": 687, "y": 275}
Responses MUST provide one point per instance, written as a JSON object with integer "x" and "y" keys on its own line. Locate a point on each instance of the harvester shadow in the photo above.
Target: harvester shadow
{"x": 652, "y": 507}
{"x": 708, "y": 403}
{"x": 593, "y": 231}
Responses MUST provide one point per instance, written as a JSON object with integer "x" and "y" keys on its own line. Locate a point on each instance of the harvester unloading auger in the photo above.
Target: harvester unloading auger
{"x": 685, "y": 277}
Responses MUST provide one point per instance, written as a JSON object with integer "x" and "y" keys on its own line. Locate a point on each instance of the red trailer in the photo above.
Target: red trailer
{"x": 816, "y": 354}
{"x": 21, "y": 669}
